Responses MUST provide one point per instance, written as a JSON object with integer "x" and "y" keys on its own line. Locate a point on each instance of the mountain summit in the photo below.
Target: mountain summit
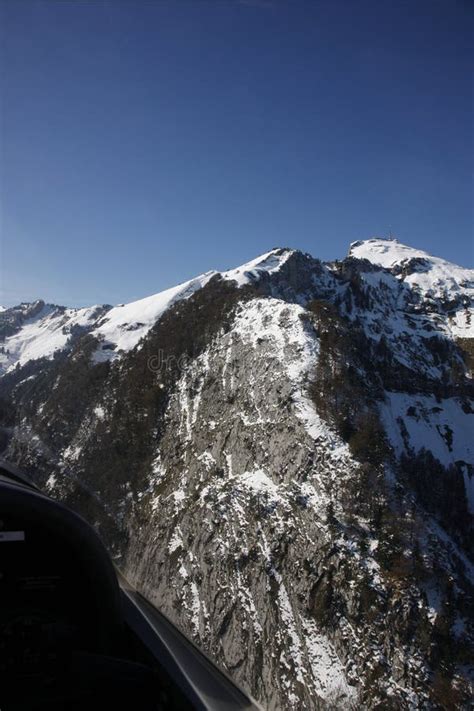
{"x": 280, "y": 457}
{"x": 430, "y": 275}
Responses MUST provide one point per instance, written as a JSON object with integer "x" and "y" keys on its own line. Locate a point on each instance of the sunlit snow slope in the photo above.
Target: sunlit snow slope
{"x": 118, "y": 329}
{"x": 431, "y": 277}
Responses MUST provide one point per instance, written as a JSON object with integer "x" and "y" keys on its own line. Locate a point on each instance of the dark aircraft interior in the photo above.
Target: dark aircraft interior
{"x": 74, "y": 634}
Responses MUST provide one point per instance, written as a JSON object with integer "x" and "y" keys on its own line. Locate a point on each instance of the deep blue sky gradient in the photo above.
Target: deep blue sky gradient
{"x": 145, "y": 142}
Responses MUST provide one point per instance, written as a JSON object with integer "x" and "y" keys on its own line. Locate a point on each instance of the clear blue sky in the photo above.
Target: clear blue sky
{"x": 145, "y": 142}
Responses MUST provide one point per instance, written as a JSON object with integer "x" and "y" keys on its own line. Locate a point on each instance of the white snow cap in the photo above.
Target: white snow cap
{"x": 269, "y": 262}
{"x": 433, "y": 275}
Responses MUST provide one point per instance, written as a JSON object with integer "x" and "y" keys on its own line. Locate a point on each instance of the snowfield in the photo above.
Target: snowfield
{"x": 124, "y": 326}
{"x": 44, "y": 334}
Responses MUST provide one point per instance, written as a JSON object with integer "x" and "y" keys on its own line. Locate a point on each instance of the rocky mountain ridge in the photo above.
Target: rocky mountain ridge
{"x": 280, "y": 455}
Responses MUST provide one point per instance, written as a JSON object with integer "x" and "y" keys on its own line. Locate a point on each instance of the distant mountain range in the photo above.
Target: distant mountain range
{"x": 281, "y": 458}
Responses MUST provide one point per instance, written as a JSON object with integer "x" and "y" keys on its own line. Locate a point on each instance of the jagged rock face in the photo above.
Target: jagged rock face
{"x": 283, "y": 464}
{"x": 246, "y": 468}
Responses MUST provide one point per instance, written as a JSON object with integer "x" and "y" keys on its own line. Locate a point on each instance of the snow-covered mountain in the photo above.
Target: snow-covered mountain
{"x": 281, "y": 455}
{"x": 39, "y": 330}
{"x": 439, "y": 283}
